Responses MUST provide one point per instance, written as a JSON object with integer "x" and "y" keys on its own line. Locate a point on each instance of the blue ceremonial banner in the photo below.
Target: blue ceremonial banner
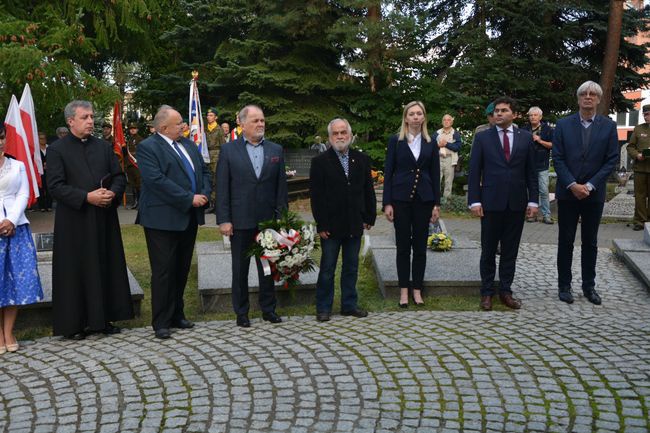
{"x": 197, "y": 133}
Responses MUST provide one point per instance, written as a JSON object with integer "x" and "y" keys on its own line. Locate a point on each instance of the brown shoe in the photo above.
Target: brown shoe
{"x": 486, "y": 303}
{"x": 509, "y": 301}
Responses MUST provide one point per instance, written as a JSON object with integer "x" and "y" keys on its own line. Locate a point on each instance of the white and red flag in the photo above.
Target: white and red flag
{"x": 18, "y": 147}
{"x": 28, "y": 116}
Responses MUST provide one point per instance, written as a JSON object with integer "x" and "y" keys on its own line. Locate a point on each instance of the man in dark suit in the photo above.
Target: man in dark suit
{"x": 343, "y": 203}
{"x": 175, "y": 189}
{"x": 585, "y": 152}
{"x": 502, "y": 192}
{"x": 251, "y": 188}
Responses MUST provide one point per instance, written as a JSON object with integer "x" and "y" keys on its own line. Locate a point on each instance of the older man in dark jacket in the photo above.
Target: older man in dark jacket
{"x": 344, "y": 204}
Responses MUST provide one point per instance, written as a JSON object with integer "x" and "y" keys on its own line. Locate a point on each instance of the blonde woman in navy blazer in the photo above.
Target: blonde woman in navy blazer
{"x": 412, "y": 196}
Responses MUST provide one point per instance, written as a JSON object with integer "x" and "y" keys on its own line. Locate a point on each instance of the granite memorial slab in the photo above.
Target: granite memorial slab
{"x": 454, "y": 272}
{"x": 215, "y": 281}
{"x": 40, "y": 313}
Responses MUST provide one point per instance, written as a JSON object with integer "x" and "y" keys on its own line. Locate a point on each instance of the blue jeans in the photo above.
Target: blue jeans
{"x": 544, "y": 204}
{"x": 325, "y": 285}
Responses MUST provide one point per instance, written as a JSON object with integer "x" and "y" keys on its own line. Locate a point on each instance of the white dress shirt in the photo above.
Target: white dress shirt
{"x": 415, "y": 144}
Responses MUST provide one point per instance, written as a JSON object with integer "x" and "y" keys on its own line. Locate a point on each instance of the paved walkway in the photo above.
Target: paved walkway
{"x": 547, "y": 368}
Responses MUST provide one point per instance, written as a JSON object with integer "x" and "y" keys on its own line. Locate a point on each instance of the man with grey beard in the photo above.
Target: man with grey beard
{"x": 343, "y": 204}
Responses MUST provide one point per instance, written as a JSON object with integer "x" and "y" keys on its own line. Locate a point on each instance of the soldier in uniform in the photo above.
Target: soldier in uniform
{"x": 151, "y": 128}
{"x": 639, "y": 142}
{"x": 131, "y": 166}
{"x": 107, "y": 132}
{"x": 215, "y": 138}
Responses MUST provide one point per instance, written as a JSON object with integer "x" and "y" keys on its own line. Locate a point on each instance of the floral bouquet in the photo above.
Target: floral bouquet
{"x": 284, "y": 247}
{"x": 377, "y": 176}
{"x": 288, "y": 172}
{"x": 440, "y": 242}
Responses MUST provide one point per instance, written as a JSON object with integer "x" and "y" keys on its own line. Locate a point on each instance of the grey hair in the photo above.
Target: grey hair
{"x": 447, "y": 114}
{"x": 70, "y": 109}
{"x": 339, "y": 119}
{"x": 535, "y": 110}
{"x": 243, "y": 113}
{"x": 162, "y": 115}
{"x": 590, "y": 86}
{"x": 61, "y": 130}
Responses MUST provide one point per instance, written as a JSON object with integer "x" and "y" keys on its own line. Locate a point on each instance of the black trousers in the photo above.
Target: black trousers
{"x": 505, "y": 228}
{"x": 170, "y": 256}
{"x": 240, "y": 242}
{"x": 411, "y": 222}
{"x": 568, "y": 213}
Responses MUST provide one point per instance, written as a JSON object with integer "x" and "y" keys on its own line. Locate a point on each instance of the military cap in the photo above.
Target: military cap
{"x": 106, "y": 125}
{"x": 213, "y": 111}
{"x": 133, "y": 125}
{"x": 489, "y": 110}
{"x": 646, "y": 108}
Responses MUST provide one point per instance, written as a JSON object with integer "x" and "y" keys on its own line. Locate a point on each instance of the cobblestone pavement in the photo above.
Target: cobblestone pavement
{"x": 548, "y": 368}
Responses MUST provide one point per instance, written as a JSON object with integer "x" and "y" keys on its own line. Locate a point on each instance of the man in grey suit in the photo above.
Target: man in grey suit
{"x": 251, "y": 187}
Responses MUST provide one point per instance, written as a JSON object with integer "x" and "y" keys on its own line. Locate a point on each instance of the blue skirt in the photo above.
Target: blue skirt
{"x": 19, "y": 281}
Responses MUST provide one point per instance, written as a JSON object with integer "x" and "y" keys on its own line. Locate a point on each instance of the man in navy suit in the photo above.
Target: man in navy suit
{"x": 585, "y": 152}
{"x": 502, "y": 192}
{"x": 251, "y": 188}
{"x": 175, "y": 190}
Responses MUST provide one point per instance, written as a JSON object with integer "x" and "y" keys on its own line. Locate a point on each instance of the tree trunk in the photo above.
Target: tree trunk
{"x": 610, "y": 60}
{"x": 375, "y": 46}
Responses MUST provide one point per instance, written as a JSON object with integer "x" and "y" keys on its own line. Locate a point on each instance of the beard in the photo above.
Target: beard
{"x": 341, "y": 146}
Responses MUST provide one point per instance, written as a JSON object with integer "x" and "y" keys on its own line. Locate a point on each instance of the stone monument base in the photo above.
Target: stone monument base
{"x": 215, "y": 281}
{"x": 454, "y": 272}
{"x": 636, "y": 254}
{"x": 40, "y": 314}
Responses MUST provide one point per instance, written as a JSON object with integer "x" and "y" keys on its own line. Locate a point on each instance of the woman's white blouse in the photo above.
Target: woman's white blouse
{"x": 14, "y": 192}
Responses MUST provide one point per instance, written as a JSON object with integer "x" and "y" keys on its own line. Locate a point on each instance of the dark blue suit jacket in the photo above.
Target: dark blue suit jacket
{"x": 501, "y": 185}
{"x": 166, "y": 195}
{"x": 242, "y": 198}
{"x": 404, "y": 177}
{"x": 594, "y": 164}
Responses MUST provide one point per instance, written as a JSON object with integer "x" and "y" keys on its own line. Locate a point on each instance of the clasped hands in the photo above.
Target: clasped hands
{"x": 7, "y": 228}
{"x": 477, "y": 211}
{"x": 388, "y": 212}
{"x": 580, "y": 191}
{"x": 100, "y": 197}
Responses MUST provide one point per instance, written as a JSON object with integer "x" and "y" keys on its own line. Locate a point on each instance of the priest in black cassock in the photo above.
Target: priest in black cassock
{"x": 90, "y": 287}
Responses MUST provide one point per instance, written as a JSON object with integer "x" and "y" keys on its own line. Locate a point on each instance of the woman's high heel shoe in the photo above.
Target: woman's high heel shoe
{"x": 3, "y": 350}
{"x": 406, "y": 305}
{"x": 418, "y": 304}
{"x": 13, "y": 347}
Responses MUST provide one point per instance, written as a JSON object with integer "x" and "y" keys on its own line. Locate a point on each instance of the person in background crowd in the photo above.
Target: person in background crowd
{"x": 225, "y": 127}
{"x": 489, "y": 114}
{"x": 542, "y": 138}
{"x": 62, "y": 131}
{"x": 319, "y": 146}
{"x": 215, "y": 139}
{"x": 449, "y": 143}
{"x": 585, "y": 152}
{"x": 130, "y": 151}
{"x": 186, "y": 129}
{"x": 107, "y": 132}
{"x": 44, "y": 199}
{"x": 19, "y": 280}
{"x": 343, "y": 203}
{"x": 90, "y": 286}
{"x": 638, "y": 145}
{"x": 236, "y": 132}
{"x": 151, "y": 128}
{"x": 412, "y": 197}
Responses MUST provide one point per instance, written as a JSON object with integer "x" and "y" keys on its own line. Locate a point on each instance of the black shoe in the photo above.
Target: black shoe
{"x": 272, "y": 317}
{"x": 565, "y": 296}
{"x": 242, "y": 321}
{"x": 356, "y": 313}
{"x": 637, "y": 227}
{"x": 403, "y": 305}
{"x": 417, "y": 304}
{"x": 163, "y": 333}
{"x": 111, "y": 329}
{"x": 183, "y": 324}
{"x": 323, "y": 317}
{"x": 592, "y": 297}
{"x": 76, "y": 337}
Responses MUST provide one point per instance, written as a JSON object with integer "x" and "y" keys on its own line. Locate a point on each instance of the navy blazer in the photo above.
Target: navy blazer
{"x": 166, "y": 195}
{"x": 497, "y": 184}
{"x": 592, "y": 164}
{"x": 342, "y": 204}
{"x": 242, "y": 198}
{"x": 405, "y": 178}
